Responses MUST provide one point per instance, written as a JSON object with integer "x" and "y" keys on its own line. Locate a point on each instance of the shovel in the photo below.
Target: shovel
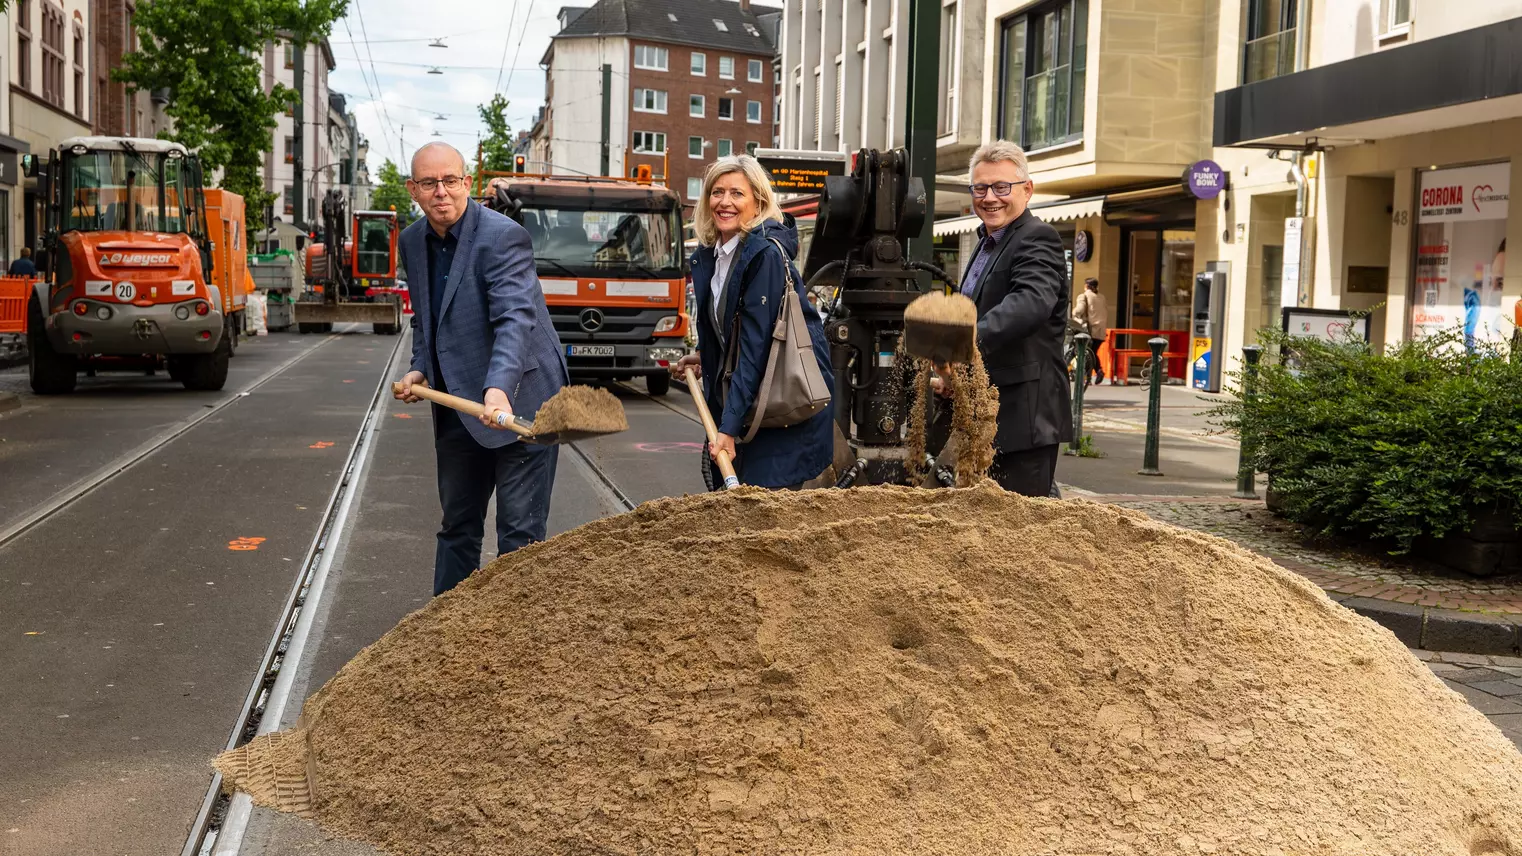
{"x": 517, "y": 424}
{"x": 726, "y": 466}
{"x": 941, "y": 328}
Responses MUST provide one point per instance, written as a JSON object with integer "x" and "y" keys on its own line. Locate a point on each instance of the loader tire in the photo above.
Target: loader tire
{"x": 206, "y": 372}
{"x": 50, "y": 372}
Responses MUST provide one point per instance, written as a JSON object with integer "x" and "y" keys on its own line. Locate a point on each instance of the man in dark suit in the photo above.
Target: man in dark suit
{"x": 1018, "y": 279}
{"x": 480, "y": 330}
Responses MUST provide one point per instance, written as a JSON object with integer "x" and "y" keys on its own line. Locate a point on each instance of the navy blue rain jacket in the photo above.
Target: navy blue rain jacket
{"x": 777, "y": 457}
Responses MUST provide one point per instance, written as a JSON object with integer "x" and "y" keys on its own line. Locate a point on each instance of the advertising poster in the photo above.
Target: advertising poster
{"x": 1461, "y": 254}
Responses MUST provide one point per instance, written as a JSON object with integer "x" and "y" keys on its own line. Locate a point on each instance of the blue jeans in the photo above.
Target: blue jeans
{"x": 520, "y": 474}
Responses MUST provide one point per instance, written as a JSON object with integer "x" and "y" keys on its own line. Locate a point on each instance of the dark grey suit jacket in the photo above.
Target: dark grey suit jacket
{"x": 494, "y": 330}
{"x": 1022, "y": 312}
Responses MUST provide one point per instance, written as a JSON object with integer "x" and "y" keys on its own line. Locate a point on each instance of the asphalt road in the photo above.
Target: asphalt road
{"x": 134, "y": 618}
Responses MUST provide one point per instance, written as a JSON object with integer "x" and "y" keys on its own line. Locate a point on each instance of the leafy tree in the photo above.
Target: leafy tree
{"x": 497, "y": 147}
{"x": 391, "y": 192}
{"x": 206, "y": 54}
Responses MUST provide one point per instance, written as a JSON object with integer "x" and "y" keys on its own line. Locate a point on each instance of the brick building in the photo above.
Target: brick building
{"x": 691, "y": 81}
{"x": 119, "y": 111}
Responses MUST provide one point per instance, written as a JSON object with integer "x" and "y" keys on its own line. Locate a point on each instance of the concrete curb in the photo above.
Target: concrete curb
{"x": 1435, "y": 629}
{"x": 1093, "y": 421}
{"x": 9, "y": 401}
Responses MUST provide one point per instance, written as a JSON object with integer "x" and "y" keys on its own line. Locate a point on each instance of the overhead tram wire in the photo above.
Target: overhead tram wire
{"x": 360, "y": 64}
{"x": 501, "y": 66}
{"x": 364, "y": 34}
{"x": 519, "y": 50}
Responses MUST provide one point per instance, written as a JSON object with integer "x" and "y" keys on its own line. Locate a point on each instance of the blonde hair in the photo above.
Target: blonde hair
{"x": 1001, "y": 150}
{"x": 760, "y": 185}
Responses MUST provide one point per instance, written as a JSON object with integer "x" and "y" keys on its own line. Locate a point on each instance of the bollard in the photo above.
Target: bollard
{"x": 1247, "y": 472}
{"x": 1154, "y": 407}
{"x": 1080, "y": 380}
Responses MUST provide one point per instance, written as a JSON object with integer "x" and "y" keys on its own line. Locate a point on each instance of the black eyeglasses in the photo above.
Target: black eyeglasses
{"x": 450, "y": 182}
{"x": 1000, "y": 188}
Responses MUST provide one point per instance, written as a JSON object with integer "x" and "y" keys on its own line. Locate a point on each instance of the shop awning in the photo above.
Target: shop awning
{"x": 1464, "y": 78}
{"x": 1050, "y": 212}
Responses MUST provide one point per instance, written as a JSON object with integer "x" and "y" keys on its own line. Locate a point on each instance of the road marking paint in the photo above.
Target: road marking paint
{"x": 404, "y": 415}
{"x": 321, "y": 444}
{"x": 348, "y": 381}
{"x": 243, "y": 544}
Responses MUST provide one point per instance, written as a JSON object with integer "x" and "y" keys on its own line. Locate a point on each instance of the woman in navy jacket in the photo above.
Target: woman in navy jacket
{"x": 736, "y": 221}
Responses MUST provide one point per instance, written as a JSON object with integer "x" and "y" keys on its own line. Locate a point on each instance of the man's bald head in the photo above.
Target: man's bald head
{"x": 431, "y": 152}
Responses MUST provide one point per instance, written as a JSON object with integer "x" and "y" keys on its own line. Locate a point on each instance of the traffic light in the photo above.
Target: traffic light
{"x": 520, "y": 163}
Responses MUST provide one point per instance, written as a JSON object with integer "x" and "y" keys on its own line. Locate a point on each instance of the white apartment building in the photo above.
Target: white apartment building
{"x": 320, "y": 164}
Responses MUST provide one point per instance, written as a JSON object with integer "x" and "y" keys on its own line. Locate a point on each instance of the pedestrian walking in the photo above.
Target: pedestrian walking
{"x": 481, "y": 329}
{"x": 1018, "y": 279}
{"x": 743, "y": 263}
{"x": 1091, "y": 314}
{"x": 23, "y": 266}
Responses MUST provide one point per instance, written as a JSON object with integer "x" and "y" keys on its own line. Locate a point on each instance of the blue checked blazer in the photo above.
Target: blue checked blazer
{"x": 494, "y": 330}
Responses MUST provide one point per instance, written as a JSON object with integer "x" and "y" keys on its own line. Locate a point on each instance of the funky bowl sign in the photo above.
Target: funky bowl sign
{"x": 1205, "y": 179}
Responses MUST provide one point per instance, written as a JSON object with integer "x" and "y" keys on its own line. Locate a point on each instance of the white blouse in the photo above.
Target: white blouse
{"x": 724, "y": 258}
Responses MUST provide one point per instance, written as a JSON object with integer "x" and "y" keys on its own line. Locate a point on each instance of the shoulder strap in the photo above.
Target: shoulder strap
{"x": 764, "y": 393}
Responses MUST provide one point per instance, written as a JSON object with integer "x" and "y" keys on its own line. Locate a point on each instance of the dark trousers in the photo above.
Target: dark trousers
{"x": 1030, "y": 472}
{"x": 1095, "y": 370}
{"x": 521, "y": 475}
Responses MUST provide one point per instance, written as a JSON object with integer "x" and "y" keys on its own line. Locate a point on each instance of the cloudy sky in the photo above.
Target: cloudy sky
{"x": 384, "y": 53}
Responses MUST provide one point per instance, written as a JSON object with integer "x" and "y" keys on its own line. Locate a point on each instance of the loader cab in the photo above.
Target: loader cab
{"x": 375, "y": 234}
{"x": 123, "y": 185}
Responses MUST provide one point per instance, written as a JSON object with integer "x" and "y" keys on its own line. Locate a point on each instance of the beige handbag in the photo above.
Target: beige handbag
{"x": 793, "y": 388}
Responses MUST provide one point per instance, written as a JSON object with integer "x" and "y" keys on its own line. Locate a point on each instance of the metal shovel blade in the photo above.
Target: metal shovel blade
{"x": 940, "y": 342}
{"x": 552, "y": 438}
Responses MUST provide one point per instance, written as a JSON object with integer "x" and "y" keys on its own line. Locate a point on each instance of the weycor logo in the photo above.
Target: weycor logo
{"x": 134, "y": 258}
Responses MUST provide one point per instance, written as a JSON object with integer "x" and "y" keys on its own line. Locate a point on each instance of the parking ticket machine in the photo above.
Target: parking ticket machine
{"x": 1207, "y": 325}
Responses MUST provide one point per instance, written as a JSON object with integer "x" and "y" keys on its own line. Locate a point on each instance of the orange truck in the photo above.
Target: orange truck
{"x": 129, "y": 274}
{"x": 609, "y": 258}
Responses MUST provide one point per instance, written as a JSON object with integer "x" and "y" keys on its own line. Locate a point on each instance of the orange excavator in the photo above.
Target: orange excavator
{"x": 351, "y": 271}
{"x": 127, "y": 269}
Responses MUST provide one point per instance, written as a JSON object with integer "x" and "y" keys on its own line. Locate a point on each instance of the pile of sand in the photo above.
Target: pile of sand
{"x": 581, "y": 408}
{"x": 894, "y": 671}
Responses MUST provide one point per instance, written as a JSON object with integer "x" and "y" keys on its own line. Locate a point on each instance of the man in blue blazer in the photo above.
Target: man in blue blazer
{"x": 480, "y": 330}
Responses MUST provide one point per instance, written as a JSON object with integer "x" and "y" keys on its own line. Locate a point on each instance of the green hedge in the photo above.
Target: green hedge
{"x": 1390, "y": 448}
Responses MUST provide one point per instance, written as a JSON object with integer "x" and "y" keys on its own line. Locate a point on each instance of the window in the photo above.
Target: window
{"x": 720, "y": 26}
{"x": 753, "y": 112}
{"x": 750, "y": 148}
{"x": 79, "y": 72}
{"x": 1397, "y": 15}
{"x": 727, "y": 67}
{"x": 727, "y": 108}
{"x": 649, "y": 142}
{"x": 650, "y": 100}
{"x": 52, "y": 55}
{"x": 726, "y": 148}
{"x": 650, "y": 57}
{"x": 1043, "y": 73}
{"x": 697, "y": 106}
{"x": 699, "y": 64}
{"x": 290, "y": 149}
{"x": 1270, "y": 48}
{"x": 840, "y": 98}
{"x": 694, "y": 188}
{"x": 24, "y": 44}
{"x": 290, "y": 200}
{"x": 950, "y": 37}
{"x": 290, "y": 55}
{"x": 695, "y": 147}
{"x": 753, "y": 71}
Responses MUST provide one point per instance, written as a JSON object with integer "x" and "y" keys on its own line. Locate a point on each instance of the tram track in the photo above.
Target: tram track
{"x": 89, "y": 484}
{"x": 221, "y": 820}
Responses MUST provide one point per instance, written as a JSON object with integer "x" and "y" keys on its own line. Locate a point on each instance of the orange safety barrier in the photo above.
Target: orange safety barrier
{"x": 14, "y": 293}
{"x": 1117, "y": 359}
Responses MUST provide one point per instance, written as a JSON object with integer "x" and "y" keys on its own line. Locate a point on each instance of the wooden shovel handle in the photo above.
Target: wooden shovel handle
{"x": 726, "y": 466}
{"x": 464, "y": 405}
